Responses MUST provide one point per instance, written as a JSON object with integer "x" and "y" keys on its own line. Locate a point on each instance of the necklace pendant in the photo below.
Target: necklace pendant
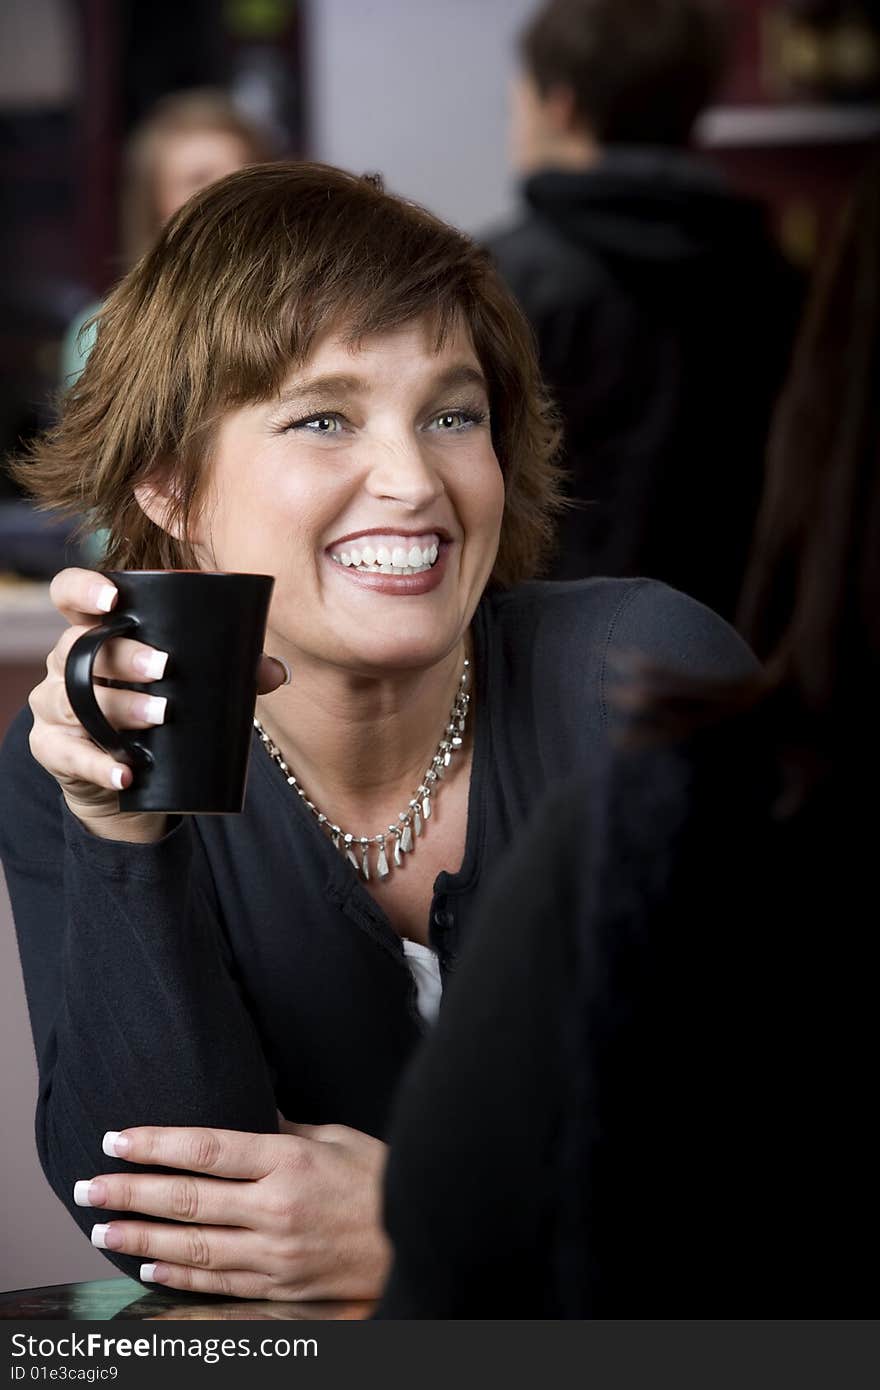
{"x": 356, "y": 849}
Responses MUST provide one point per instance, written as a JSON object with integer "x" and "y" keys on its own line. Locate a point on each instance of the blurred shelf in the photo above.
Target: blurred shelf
{"x": 741, "y": 127}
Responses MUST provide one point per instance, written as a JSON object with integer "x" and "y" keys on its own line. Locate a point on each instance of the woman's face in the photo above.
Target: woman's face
{"x": 370, "y": 488}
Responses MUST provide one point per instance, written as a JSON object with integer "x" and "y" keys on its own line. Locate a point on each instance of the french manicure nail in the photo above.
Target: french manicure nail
{"x": 147, "y": 1273}
{"x": 115, "y": 1144}
{"x": 151, "y": 663}
{"x": 116, "y": 777}
{"x": 90, "y": 1192}
{"x": 99, "y": 1236}
{"x": 104, "y": 595}
{"x": 151, "y": 708}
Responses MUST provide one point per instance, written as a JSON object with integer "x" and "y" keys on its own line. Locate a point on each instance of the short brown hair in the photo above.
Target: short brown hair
{"x": 241, "y": 283}
{"x": 640, "y": 70}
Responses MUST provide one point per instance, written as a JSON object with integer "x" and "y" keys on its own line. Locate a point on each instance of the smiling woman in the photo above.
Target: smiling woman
{"x": 311, "y": 378}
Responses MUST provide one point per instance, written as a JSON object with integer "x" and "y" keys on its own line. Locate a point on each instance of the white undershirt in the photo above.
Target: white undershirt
{"x": 425, "y": 969}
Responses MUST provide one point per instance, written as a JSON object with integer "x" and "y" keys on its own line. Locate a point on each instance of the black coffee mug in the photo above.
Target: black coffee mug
{"x": 212, "y": 627}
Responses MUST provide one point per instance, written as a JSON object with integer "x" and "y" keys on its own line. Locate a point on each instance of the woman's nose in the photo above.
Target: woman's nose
{"x": 399, "y": 471}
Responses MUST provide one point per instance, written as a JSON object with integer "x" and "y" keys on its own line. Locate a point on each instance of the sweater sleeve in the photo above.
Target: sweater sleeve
{"x": 134, "y": 1008}
{"x": 663, "y": 629}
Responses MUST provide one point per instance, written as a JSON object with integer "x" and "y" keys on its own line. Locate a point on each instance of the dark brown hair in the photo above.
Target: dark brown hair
{"x": 811, "y": 600}
{"x": 241, "y": 284}
{"x": 640, "y": 70}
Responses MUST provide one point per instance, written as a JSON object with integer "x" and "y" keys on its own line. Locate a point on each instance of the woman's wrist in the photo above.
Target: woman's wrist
{"x": 133, "y": 828}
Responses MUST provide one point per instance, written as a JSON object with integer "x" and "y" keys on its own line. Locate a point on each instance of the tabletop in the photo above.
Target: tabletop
{"x": 101, "y": 1300}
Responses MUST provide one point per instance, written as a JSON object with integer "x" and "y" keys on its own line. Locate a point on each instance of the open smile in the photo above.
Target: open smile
{"x": 388, "y": 553}
{"x": 392, "y": 562}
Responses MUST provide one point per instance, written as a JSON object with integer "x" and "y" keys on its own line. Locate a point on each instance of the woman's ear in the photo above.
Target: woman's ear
{"x": 158, "y": 501}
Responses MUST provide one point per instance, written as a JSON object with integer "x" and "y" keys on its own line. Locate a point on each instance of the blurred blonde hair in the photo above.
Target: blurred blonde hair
{"x": 180, "y": 113}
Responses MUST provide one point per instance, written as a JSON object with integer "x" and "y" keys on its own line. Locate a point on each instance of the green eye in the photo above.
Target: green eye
{"x": 451, "y": 421}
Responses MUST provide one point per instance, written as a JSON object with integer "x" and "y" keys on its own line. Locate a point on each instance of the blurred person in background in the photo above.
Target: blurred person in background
{"x": 662, "y": 310}
{"x": 648, "y": 1094}
{"x": 189, "y": 140}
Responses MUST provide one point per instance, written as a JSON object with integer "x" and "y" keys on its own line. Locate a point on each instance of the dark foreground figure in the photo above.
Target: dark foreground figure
{"x": 655, "y": 1101}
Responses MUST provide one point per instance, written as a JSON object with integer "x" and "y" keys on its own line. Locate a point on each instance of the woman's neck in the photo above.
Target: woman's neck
{"x": 358, "y": 746}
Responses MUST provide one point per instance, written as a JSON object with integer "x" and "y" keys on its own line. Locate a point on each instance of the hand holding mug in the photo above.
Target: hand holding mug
{"x": 90, "y": 778}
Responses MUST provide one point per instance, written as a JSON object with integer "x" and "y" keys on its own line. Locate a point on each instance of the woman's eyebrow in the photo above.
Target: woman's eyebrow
{"x": 461, "y": 374}
{"x": 318, "y": 385}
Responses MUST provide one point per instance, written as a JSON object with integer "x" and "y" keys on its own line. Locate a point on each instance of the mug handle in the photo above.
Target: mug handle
{"x": 78, "y": 670}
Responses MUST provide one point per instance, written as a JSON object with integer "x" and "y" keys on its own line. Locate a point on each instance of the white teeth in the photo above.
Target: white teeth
{"x": 388, "y": 569}
{"x": 382, "y": 560}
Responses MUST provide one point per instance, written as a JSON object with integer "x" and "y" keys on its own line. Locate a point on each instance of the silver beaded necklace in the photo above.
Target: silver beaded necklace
{"x": 403, "y": 835}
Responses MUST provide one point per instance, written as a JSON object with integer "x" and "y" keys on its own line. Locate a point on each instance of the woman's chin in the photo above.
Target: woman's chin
{"x": 386, "y": 649}
{"x": 383, "y": 658}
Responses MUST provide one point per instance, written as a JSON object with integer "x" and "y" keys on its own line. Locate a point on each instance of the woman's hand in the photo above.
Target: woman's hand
{"x": 273, "y": 1216}
{"x": 89, "y": 778}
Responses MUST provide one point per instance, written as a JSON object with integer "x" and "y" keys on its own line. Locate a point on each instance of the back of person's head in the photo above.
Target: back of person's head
{"x": 639, "y": 71}
{"x": 188, "y": 140}
{"x": 811, "y": 601}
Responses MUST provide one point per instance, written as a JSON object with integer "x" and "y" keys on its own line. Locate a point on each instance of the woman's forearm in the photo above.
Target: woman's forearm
{"x": 141, "y": 1021}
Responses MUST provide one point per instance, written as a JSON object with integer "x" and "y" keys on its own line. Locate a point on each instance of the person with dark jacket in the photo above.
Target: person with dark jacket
{"x": 663, "y": 311}
{"x": 648, "y": 1092}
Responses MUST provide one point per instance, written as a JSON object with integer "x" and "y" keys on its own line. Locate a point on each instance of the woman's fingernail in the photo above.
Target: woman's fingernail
{"x": 90, "y": 1192}
{"x": 106, "y": 1237}
{"x": 150, "y": 663}
{"x": 287, "y": 676}
{"x": 153, "y": 1274}
{"x": 116, "y": 777}
{"x": 115, "y": 1144}
{"x": 150, "y": 708}
{"x": 104, "y": 596}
